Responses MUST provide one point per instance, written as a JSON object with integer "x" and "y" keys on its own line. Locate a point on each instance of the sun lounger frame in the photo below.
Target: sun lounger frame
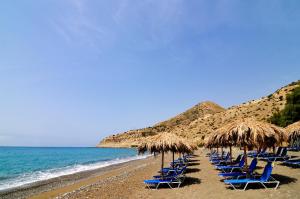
{"x": 169, "y": 183}
{"x": 270, "y": 181}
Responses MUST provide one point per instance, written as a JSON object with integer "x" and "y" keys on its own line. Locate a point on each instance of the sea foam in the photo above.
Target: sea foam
{"x": 38, "y": 176}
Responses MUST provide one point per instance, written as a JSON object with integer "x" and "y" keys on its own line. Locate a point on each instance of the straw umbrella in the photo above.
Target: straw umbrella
{"x": 211, "y": 141}
{"x": 251, "y": 133}
{"x": 165, "y": 142}
{"x": 293, "y": 131}
{"x": 191, "y": 145}
{"x": 225, "y": 139}
{"x": 216, "y": 140}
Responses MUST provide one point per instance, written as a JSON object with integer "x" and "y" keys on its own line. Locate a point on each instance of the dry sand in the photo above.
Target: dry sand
{"x": 201, "y": 182}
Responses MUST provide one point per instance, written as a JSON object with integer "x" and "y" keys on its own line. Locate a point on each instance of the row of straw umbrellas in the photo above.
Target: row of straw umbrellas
{"x": 246, "y": 133}
{"x": 165, "y": 142}
{"x": 250, "y": 133}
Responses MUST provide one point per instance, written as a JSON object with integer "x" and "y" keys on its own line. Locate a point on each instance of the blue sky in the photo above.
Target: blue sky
{"x": 74, "y": 71}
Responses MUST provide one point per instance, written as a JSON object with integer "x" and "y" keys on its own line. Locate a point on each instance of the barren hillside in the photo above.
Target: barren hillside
{"x": 201, "y": 120}
{"x": 133, "y": 137}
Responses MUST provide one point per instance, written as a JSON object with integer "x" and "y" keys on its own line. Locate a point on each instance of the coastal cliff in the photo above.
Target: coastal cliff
{"x": 199, "y": 121}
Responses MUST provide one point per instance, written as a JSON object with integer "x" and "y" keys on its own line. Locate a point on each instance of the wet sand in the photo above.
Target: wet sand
{"x": 126, "y": 181}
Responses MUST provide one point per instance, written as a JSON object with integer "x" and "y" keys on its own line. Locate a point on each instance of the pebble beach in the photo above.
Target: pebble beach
{"x": 126, "y": 181}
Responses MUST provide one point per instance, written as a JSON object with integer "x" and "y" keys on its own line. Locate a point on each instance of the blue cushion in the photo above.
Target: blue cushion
{"x": 240, "y": 181}
{"x": 232, "y": 174}
{"x": 156, "y": 181}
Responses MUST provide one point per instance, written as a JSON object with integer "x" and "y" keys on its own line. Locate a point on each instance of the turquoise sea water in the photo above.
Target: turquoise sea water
{"x": 23, "y": 165}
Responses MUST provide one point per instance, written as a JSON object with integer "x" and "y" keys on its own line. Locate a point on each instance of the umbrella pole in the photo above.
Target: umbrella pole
{"x": 245, "y": 158}
{"x": 222, "y": 151}
{"x": 162, "y": 163}
{"x": 230, "y": 151}
{"x": 173, "y": 159}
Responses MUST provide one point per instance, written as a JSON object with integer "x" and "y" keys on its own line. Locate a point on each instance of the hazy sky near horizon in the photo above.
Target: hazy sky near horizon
{"x": 74, "y": 71}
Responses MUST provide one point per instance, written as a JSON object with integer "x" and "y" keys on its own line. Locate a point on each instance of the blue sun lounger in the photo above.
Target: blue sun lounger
{"x": 236, "y": 161}
{"x": 257, "y": 154}
{"x": 216, "y": 154}
{"x": 169, "y": 176}
{"x": 264, "y": 179}
{"x": 281, "y": 157}
{"x": 294, "y": 148}
{"x": 218, "y": 157}
{"x": 266, "y": 155}
{"x": 292, "y": 162}
{"x": 178, "y": 164}
{"x": 252, "y": 167}
{"x": 157, "y": 182}
{"x": 219, "y": 160}
{"x": 231, "y": 168}
{"x": 189, "y": 156}
{"x": 176, "y": 171}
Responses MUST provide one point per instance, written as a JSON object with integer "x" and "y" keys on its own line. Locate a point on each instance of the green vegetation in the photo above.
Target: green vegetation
{"x": 291, "y": 111}
{"x": 270, "y": 96}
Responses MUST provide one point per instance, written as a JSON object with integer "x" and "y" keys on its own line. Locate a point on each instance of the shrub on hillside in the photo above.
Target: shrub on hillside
{"x": 291, "y": 111}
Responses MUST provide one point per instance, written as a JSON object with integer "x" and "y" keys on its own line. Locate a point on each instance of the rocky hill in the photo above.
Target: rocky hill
{"x": 201, "y": 120}
{"x": 134, "y": 137}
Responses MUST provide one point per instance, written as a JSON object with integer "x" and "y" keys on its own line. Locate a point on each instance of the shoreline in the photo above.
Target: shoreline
{"x": 125, "y": 181}
{"x": 36, "y": 188}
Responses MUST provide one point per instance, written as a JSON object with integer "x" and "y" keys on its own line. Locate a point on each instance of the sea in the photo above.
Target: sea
{"x": 20, "y": 166}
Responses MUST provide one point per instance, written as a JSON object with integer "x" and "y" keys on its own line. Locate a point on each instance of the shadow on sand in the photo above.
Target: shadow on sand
{"x": 192, "y": 170}
{"x": 193, "y": 161}
{"x": 193, "y": 164}
{"x": 259, "y": 167}
{"x": 190, "y": 181}
{"x": 284, "y": 179}
{"x": 291, "y": 166}
{"x": 194, "y": 155}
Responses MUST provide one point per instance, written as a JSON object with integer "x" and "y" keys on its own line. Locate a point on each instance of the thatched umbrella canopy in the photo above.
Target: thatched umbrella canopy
{"x": 193, "y": 146}
{"x": 215, "y": 140}
{"x": 293, "y": 131}
{"x": 220, "y": 138}
{"x": 164, "y": 142}
{"x": 211, "y": 141}
{"x": 225, "y": 139}
{"x": 250, "y": 133}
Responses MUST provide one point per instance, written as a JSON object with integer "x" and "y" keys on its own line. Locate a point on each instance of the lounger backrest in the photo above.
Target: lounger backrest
{"x": 252, "y": 166}
{"x": 180, "y": 171}
{"x": 278, "y": 151}
{"x": 283, "y": 152}
{"x": 267, "y": 172}
{"x": 227, "y": 156}
{"x": 242, "y": 162}
{"x": 238, "y": 159}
